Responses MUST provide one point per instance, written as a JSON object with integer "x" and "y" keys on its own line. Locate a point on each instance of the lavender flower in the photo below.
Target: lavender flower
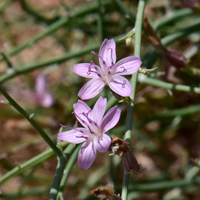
{"x": 109, "y": 73}
{"x": 93, "y": 133}
{"x": 41, "y": 96}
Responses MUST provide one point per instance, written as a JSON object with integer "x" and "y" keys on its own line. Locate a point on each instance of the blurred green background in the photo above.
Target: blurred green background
{"x": 51, "y": 36}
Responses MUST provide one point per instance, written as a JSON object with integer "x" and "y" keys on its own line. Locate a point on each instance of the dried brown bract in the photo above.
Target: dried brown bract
{"x": 105, "y": 192}
{"x": 122, "y": 148}
{"x": 171, "y": 57}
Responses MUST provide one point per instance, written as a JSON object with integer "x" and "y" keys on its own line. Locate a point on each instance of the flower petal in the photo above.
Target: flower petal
{"x": 107, "y": 52}
{"x": 86, "y": 155}
{"x": 110, "y": 119}
{"x": 74, "y": 136}
{"x": 103, "y": 143}
{"x": 98, "y": 110}
{"x": 47, "y": 100}
{"x": 40, "y": 85}
{"x": 81, "y": 108}
{"x": 128, "y": 65}
{"x": 91, "y": 88}
{"x": 84, "y": 69}
{"x": 120, "y": 85}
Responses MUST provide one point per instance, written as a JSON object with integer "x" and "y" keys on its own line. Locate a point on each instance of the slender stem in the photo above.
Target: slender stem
{"x": 125, "y": 10}
{"x": 190, "y": 110}
{"x": 176, "y": 15}
{"x": 193, "y": 70}
{"x": 138, "y": 30}
{"x": 25, "y": 181}
{"x": 100, "y": 22}
{"x": 68, "y": 169}
{"x": 181, "y": 33}
{"x": 40, "y": 18}
{"x": 56, "y": 25}
{"x": 34, "y": 66}
{"x": 33, "y": 123}
{"x": 33, "y": 192}
{"x": 28, "y": 164}
{"x": 150, "y": 81}
{"x": 147, "y": 187}
{"x": 62, "y": 161}
{"x": 28, "y": 68}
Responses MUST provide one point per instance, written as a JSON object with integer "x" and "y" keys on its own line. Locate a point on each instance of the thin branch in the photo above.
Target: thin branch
{"x": 32, "y": 122}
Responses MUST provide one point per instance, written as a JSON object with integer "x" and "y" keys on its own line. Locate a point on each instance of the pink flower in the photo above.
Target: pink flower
{"x": 93, "y": 133}
{"x": 109, "y": 73}
{"x": 41, "y": 96}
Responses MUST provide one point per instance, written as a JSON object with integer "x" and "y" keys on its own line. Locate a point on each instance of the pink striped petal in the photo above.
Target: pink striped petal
{"x": 98, "y": 110}
{"x": 110, "y": 119}
{"x": 82, "y": 69}
{"x": 128, "y": 65}
{"x": 73, "y": 136}
{"x": 86, "y": 155}
{"x": 121, "y": 86}
{"x": 91, "y": 88}
{"x": 79, "y": 109}
{"x": 102, "y": 144}
{"x": 107, "y": 52}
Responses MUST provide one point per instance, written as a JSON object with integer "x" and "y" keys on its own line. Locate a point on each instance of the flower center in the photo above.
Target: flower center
{"x": 93, "y": 128}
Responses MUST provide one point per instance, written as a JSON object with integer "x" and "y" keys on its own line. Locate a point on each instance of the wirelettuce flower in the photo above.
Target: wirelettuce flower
{"x": 41, "y": 96}
{"x": 93, "y": 133}
{"x": 109, "y": 73}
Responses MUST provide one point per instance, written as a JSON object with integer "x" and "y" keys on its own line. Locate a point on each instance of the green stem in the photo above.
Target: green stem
{"x": 33, "y": 123}
{"x": 150, "y": 81}
{"x": 167, "y": 40}
{"x": 100, "y": 22}
{"x": 190, "y": 110}
{"x": 40, "y": 18}
{"x": 55, "y": 26}
{"x": 164, "y": 185}
{"x": 28, "y": 164}
{"x": 33, "y": 192}
{"x": 127, "y": 136}
{"x": 192, "y": 70}
{"x": 62, "y": 161}
{"x": 34, "y": 66}
{"x": 25, "y": 181}
{"x": 176, "y": 15}
{"x": 68, "y": 169}
{"x": 125, "y": 10}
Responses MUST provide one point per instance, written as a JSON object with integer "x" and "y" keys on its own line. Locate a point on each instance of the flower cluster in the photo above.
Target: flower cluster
{"x": 95, "y": 124}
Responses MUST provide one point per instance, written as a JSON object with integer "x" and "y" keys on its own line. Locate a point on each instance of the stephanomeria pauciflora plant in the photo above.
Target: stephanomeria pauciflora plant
{"x": 93, "y": 133}
{"x": 108, "y": 74}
